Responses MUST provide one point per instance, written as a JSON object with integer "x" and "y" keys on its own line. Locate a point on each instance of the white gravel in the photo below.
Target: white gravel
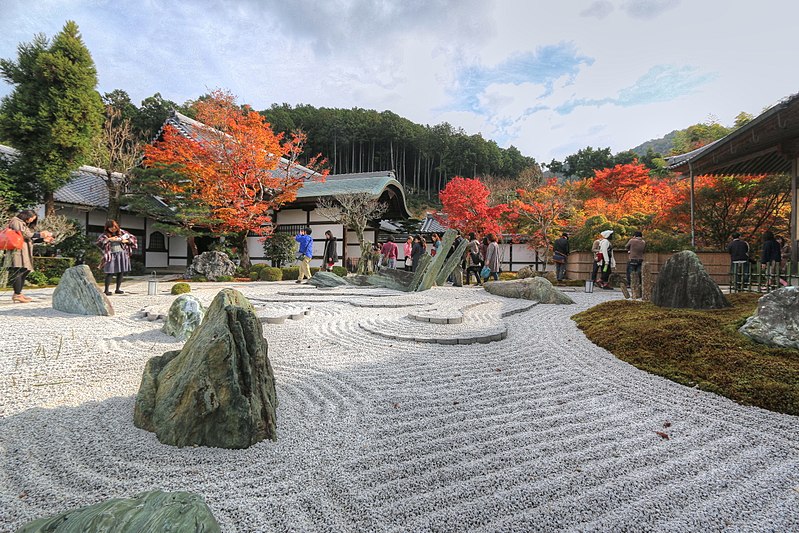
{"x": 540, "y": 431}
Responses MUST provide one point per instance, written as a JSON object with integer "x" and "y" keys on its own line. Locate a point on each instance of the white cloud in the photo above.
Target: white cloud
{"x": 410, "y": 57}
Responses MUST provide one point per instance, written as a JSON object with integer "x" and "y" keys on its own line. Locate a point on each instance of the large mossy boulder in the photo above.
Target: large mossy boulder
{"x": 77, "y": 293}
{"x": 211, "y": 265}
{"x": 219, "y": 390}
{"x": 538, "y": 289}
{"x": 683, "y": 283}
{"x": 184, "y": 316}
{"x": 776, "y": 320}
{"x": 149, "y": 511}
{"x": 326, "y": 279}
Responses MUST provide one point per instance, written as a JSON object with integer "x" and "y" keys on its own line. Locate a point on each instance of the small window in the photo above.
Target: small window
{"x": 157, "y": 242}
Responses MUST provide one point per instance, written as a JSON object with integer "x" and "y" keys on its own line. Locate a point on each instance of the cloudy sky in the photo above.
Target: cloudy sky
{"x": 547, "y": 76}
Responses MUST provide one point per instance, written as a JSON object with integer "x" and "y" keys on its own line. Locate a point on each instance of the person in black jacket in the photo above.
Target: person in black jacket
{"x": 560, "y": 256}
{"x": 739, "y": 255}
{"x": 770, "y": 260}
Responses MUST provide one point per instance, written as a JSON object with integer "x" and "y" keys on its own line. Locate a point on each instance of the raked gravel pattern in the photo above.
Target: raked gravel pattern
{"x": 541, "y": 431}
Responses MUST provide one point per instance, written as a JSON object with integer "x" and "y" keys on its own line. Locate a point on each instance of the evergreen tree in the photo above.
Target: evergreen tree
{"x": 54, "y": 111}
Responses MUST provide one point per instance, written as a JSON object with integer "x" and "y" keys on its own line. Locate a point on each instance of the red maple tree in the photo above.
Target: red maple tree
{"x": 466, "y": 207}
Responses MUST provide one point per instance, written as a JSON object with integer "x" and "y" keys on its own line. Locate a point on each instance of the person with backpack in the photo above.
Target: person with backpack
{"x": 604, "y": 259}
{"x": 474, "y": 261}
{"x": 389, "y": 253}
{"x": 560, "y": 255}
{"x": 635, "y": 248}
{"x": 304, "y": 254}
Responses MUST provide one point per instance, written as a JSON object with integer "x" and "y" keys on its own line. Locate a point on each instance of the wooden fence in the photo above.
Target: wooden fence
{"x": 717, "y": 264}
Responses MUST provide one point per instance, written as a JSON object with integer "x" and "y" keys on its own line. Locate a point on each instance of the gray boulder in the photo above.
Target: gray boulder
{"x": 211, "y": 265}
{"x": 327, "y": 279}
{"x": 185, "y": 314}
{"x": 538, "y": 289}
{"x": 149, "y": 511}
{"x": 776, "y": 320}
{"x": 525, "y": 272}
{"x": 684, "y": 283}
{"x": 219, "y": 390}
{"x": 77, "y": 293}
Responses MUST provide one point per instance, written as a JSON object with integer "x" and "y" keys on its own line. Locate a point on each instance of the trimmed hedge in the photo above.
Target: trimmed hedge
{"x": 340, "y": 271}
{"x": 290, "y": 273}
{"x": 181, "y": 288}
{"x": 36, "y": 278}
{"x": 254, "y": 275}
{"x": 52, "y": 267}
{"x": 270, "y": 274}
{"x": 224, "y": 278}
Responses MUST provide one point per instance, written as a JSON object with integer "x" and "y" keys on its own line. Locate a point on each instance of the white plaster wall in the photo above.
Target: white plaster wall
{"x": 157, "y": 259}
{"x": 130, "y": 222}
{"x": 71, "y": 212}
{"x": 97, "y": 217}
{"x": 292, "y": 216}
{"x": 316, "y": 217}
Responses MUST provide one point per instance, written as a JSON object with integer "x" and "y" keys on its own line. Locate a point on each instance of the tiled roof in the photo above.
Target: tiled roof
{"x": 349, "y": 184}
{"x": 86, "y": 188}
{"x": 431, "y": 225}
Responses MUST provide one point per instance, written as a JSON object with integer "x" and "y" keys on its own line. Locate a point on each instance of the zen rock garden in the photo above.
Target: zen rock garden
{"x": 384, "y": 381}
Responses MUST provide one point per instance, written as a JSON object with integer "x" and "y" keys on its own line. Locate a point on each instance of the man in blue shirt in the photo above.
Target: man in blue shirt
{"x": 305, "y": 253}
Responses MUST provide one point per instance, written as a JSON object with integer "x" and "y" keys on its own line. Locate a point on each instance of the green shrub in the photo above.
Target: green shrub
{"x": 340, "y": 271}
{"x": 52, "y": 266}
{"x": 271, "y": 274}
{"x": 258, "y": 266}
{"x": 181, "y": 288}
{"x": 314, "y": 270}
{"x": 55, "y": 280}
{"x": 505, "y": 276}
{"x": 199, "y": 279}
{"x": 36, "y": 278}
{"x": 254, "y": 275}
{"x": 290, "y": 273}
{"x": 224, "y": 278}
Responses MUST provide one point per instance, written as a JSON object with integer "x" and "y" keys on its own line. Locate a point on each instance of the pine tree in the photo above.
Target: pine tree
{"x": 54, "y": 111}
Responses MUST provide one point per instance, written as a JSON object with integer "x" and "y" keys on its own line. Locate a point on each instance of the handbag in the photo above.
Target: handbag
{"x": 11, "y": 239}
{"x": 485, "y": 272}
{"x": 558, "y": 257}
{"x": 299, "y": 256}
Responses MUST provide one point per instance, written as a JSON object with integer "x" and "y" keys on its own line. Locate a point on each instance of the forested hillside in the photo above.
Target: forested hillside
{"x": 424, "y": 157}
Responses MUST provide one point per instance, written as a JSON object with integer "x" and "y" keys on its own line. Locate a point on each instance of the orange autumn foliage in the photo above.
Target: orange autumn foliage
{"x": 234, "y": 165}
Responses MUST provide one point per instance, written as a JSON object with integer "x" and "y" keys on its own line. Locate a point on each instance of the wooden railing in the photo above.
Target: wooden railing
{"x": 717, "y": 264}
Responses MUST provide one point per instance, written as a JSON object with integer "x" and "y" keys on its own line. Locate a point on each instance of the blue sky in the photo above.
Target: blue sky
{"x": 548, "y": 77}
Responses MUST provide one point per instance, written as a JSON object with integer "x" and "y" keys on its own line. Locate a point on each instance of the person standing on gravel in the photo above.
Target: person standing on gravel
{"x": 305, "y": 253}
{"x": 407, "y": 250}
{"x": 635, "y": 247}
{"x": 739, "y": 257}
{"x": 117, "y": 246}
{"x": 389, "y": 251}
{"x": 22, "y": 260}
{"x": 560, "y": 255}
{"x": 474, "y": 261}
{"x": 605, "y": 260}
{"x": 330, "y": 255}
{"x": 492, "y": 257}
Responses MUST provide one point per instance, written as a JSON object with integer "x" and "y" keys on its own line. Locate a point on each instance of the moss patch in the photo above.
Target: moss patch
{"x": 698, "y": 348}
